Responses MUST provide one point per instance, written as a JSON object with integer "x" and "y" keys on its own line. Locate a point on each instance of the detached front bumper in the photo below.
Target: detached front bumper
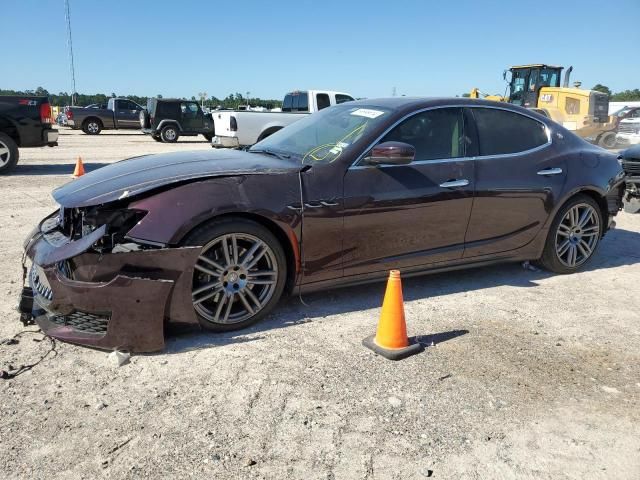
{"x": 108, "y": 301}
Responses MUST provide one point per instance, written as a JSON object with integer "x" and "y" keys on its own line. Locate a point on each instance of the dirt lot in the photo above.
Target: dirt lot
{"x": 531, "y": 375}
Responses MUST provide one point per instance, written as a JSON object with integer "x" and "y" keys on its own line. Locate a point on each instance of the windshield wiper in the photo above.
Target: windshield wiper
{"x": 281, "y": 156}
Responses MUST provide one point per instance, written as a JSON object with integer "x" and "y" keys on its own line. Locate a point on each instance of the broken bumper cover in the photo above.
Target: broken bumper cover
{"x": 108, "y": 301}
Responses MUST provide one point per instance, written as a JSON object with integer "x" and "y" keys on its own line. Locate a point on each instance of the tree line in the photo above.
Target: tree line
{"x": 624, "y": 96}
{"x": 61, "y": 99}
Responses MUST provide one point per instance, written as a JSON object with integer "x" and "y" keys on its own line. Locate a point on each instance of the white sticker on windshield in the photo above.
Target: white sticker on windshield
{"x": 365, "y": 112}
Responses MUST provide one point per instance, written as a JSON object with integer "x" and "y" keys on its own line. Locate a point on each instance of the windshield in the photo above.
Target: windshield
{"x": 324, "y": 136}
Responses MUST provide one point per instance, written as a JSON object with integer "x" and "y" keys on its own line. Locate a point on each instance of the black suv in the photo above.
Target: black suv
{"x": 167, "y": 119}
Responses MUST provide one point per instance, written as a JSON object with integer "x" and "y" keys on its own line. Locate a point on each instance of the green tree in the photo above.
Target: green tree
{"x": 602, "y": 88}
{"x": 626, "y": 96}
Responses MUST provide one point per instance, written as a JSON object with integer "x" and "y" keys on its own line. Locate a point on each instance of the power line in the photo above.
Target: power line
{"x": 70, "y": 45}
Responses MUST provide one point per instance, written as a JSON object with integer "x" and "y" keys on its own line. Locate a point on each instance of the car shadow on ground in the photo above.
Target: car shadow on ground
{"x": 618, "y": 248}
{"x": 52, "y": 168}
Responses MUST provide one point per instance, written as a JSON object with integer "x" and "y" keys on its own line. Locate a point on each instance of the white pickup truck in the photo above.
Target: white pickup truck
{"x": 241, "y": 128}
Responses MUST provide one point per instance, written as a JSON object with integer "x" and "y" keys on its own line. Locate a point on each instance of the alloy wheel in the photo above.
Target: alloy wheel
{"x": 5, "y": 154}
{"x": 170, "y": 134}
{"x": 577, "y": 235}
{"x": 93, "y": 127}
{"x": 235, "y": 277}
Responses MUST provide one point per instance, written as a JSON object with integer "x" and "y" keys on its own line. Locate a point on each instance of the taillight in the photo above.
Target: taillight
{"x": 69, "y": 114}
{"x": 45, "y": 113}
{"x": 233, "y": 124}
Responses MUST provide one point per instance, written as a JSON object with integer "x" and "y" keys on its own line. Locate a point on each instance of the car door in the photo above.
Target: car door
{"x": 519, "y": 177}
{"x": 402, "y": 216}
{"x": 192, "y": 117}
{"x": 127, "y": 114}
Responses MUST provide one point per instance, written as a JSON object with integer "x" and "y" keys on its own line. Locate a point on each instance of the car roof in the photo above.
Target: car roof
{"x": 416, "y": 103}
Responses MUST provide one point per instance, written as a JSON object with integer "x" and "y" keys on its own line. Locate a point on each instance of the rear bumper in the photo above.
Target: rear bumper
{"x": 225, "y": 142}
{"x": 51, "y": 137}
{"x": 109, "y": 301}
{"x": 71, "y": 123}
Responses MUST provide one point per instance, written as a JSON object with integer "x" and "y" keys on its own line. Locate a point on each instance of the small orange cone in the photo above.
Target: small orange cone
{"x": 79, "y": 170}
{"x": 391, "y": 339}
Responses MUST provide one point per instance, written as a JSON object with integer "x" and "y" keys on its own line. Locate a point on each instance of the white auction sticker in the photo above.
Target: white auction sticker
{"x": 365, "y": 112}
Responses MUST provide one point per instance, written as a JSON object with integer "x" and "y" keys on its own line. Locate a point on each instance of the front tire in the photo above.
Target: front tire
{"x": 607, "y": 140}
{"x": 92, "y": 127}
{"x": 169, "y": 134}
{"x": 239, "y": 276}
{"x": 9, "y": 153}
{"x": 574, "y": 235}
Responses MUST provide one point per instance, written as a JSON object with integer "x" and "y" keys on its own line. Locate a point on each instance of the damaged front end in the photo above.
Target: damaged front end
{"x": 90, "y": 284}
{"x": 630, "y": 160}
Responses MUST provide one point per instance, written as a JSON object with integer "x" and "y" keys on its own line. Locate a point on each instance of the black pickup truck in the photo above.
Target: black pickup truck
{"x": 25, "y": 121}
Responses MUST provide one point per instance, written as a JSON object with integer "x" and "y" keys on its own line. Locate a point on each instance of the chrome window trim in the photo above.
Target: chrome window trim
{"x": 356, "y": 164}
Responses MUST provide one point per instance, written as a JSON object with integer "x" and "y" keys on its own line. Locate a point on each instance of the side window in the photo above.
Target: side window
{"x": 323, "y": 101}
{"x": 340, "y": 98}
{"x": 189, "y": 110}
{"x": 126, "y": 105}
{"x": 502, "y": 132}
{"x": 435, "y": 134}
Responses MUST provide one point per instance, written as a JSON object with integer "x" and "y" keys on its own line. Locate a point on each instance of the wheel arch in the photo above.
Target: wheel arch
{"x": 8, "y": 127}
{"x": 269, "y": 131}
{"x": 167, "y": 122}
{"x": 92, "y": 117}
{"x": 595, "y": 193}
{"x": 288, "y": 240}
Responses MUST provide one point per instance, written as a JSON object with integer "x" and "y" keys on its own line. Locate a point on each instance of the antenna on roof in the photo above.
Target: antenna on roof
{"x": 70, "y": 45}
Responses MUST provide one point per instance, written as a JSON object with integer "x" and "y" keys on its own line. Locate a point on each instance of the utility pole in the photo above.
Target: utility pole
{"x": 70, "y": 45}
{"x": 393, "y": 92}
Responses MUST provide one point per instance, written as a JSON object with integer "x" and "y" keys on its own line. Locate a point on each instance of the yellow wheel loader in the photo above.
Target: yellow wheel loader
{"x": 585, "y": 112}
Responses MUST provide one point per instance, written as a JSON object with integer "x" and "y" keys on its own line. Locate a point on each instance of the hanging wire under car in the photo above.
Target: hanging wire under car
{"x": 13, "y": 373}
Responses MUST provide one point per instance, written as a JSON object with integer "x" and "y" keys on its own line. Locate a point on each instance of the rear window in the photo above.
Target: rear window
{"x": 502, "y": 132}
{"x": 296, "y": 102}
{"x": 340, "y": 98}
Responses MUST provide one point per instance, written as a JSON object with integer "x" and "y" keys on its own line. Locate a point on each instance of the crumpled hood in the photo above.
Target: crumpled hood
{"x": 133, "y": 176}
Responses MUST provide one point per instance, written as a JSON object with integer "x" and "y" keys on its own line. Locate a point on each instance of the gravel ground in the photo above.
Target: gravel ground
{"x": 531, "y": 375}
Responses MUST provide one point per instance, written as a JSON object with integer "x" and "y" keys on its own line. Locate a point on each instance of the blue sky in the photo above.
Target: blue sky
{"x": 180, "y": 48}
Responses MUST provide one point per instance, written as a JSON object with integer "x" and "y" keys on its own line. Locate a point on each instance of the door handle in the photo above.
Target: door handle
{"x": 455, "y": 183}
{"x": 313, "y": 205}
{"x": 329, "y": 204}
{"x": 550, "y": 171}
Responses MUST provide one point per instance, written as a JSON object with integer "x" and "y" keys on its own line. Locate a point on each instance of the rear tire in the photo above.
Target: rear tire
{"x": 236, "y": 289}
{"x": 9, "y": 153}
{"x": 574, "y": 236}
{"x": 208, "y": 136}
{"x": 92, "y": 126}
{"x": 156, "y": 138}
{"x": 169, "y": 134}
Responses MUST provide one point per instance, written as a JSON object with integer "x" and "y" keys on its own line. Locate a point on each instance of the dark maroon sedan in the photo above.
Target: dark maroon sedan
{"x": 340, "y": 197}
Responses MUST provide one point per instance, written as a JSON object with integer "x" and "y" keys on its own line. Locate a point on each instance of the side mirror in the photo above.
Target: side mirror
{"x": 391, "y": 153}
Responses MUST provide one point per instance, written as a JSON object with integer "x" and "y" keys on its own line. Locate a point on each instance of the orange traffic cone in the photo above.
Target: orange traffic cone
{"x": 79, "y": 170}
{"x": 391, "y": 339}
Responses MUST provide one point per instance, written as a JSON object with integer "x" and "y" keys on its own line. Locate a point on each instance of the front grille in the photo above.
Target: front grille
{"x": 83, "y": 322}
{"x": 628, "y": 128}
{"x": 632, "y": 168}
